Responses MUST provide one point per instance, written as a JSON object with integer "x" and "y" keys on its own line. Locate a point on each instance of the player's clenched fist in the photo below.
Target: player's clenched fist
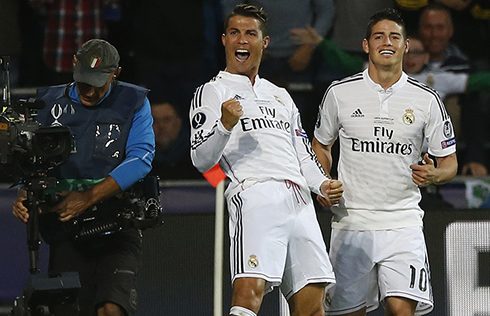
{"x": 231, "y": 110}
{"x": 332, "y": 191}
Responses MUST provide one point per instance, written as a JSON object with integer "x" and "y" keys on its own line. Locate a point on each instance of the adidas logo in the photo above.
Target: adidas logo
{"x": 238, "y": 98}
{"x": 357, "y": 113}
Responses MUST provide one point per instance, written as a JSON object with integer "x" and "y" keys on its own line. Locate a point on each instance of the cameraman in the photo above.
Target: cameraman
{"x": 113, "y": 147}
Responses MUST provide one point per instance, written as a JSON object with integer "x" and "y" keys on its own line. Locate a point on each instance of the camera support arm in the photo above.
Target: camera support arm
{"x": 34, "y": 187}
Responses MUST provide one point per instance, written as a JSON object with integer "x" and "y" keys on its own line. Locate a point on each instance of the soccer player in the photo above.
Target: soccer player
{"x": 382, "y": 118}
{"x": 253, "y": 129}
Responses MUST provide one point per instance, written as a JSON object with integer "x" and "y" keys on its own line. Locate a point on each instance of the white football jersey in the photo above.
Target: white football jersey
{"x": 381, "y": 134}
{"x": 267, "y": 143}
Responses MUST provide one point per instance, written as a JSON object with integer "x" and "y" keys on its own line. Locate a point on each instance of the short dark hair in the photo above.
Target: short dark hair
{"x": 251, "y": 11}
{"x": 386, "y": 14}
{"x": 436, "y": 6}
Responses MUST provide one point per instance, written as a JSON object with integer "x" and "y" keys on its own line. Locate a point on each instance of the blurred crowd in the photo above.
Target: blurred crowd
{"x": 172, "y": 47}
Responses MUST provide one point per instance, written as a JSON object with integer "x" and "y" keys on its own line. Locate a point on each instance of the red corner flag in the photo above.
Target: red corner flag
{"x": 214, "y": 175}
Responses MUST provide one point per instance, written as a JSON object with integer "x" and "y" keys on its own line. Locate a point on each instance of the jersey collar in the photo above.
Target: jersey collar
{"x": 375, "y": 86}
{"x": 238, "y": 78}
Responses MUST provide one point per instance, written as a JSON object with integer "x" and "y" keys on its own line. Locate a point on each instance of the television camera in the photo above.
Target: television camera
{"x": 26, "y": 147}
{"x": 28, "y": 150}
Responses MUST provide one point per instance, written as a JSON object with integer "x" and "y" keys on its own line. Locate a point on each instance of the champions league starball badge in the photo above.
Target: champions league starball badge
{"x": 198, "y": 120}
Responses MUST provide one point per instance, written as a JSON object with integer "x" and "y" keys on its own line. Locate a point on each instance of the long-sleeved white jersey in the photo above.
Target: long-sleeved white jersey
{"x": 381, "y": 134}
{"x": 268, "y": 141}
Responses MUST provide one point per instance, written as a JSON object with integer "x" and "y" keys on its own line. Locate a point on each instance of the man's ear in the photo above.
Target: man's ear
{"x": 365, "y": 46}
{"x": 117, "y": 72}
{"x": 407, "y": 45}
{"x": 266, "y": 42}
{"x": 75, "y": 60}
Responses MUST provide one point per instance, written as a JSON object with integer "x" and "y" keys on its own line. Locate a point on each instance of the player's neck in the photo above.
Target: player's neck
{"x": 385, "y": 77}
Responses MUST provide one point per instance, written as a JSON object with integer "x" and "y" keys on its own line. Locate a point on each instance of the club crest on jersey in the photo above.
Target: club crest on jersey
{"x": 448, "y": 129}
{"x": 198, "y": 120}
{"x": 253, "y": 262}
{"x": 95, "y": 61}
{"x": 278, "y": 100}
{"x": 408, "y": 117}
{"x": 328, "y": 299}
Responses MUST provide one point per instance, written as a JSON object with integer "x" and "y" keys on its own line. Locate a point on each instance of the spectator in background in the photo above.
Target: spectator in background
{"x": 414, "y": 64}
{"x": 174, "y": 52}
{"x": 287, "y": 64}
{"x": 351, "y": 18}
{"x": 436, "y": 30}
{"x": 445, "y": 83}
{"x": 67, "y": 25}
{"x": 471, "y": 20}
{"x": 410, "y": 11}
{"x": 172, "y": 139}
{"x": 347, "y": 63}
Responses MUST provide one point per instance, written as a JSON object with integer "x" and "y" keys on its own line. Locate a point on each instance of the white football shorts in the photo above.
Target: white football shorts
{"x": 275, "y": 236}
{"x": 372, "y": 265}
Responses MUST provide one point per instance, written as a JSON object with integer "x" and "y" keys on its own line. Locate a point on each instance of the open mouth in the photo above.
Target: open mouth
{"x": 242, "y": 54}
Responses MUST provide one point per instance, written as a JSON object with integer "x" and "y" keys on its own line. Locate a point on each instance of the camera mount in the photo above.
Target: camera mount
{"x": 29, "y": 151}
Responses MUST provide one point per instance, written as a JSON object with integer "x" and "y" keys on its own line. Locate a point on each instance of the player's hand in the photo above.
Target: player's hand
{"x": 231, "y": 111}
{"x": 74, "y": 204}
{"x": 424, "y": 174}
{"x": 332, "y": 191}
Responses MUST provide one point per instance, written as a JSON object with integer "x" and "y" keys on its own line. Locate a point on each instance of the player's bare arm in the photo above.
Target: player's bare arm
{"x": 323, "y": 154}
{"x": 426, "y": 173}
{"x": 231, "y": 111}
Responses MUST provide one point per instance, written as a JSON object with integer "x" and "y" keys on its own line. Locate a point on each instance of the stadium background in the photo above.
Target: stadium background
{"x": 177, "y": 274}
